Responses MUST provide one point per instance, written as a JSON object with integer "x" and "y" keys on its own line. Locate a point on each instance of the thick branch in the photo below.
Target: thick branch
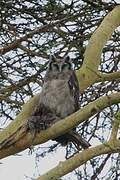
{"x": 77, "y": 160}
{"x": 108, "y": 77}
{"x": 115, "y": 126}
{"x": 23, "y": 139}
{"x": 65, "y": 167}
{"x": 112, "y": 146}
{"x": 89, "y": 74}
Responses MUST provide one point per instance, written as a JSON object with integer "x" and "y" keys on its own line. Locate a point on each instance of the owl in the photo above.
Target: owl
{"x": 58, "y": 99}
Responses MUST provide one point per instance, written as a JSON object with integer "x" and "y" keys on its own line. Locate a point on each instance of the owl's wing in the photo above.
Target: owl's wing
{"x": 73, "y": 136}
{"x": 42, "y": 118}
{"x": 74, "y": 89}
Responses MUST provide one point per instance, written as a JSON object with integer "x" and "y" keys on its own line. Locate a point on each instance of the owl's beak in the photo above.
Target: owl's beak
{"x": 60, "y": 69}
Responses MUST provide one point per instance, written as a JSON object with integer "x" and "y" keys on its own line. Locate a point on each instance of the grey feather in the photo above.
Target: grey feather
{"x": 59, "y": 98}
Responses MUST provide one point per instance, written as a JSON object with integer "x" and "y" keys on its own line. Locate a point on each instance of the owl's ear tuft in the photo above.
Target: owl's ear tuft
{"x": 52, "y": 58}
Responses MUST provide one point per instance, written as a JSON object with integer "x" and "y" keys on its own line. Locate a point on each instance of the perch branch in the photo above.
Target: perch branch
{"x": 22, "y": 139}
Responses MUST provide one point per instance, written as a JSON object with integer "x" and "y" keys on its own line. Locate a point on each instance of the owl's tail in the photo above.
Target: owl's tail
{"x": 78, "y": 141}
{"x": 75, "y": 138}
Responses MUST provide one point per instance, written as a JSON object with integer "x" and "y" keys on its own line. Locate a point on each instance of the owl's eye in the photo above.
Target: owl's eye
{"x": 66, "y": 66}
{"x": 55, "y": 66}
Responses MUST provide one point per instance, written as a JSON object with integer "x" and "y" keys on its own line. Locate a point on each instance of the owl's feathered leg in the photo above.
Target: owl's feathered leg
{"x": 34, "y": 125}
{"x": 41, "y": 118}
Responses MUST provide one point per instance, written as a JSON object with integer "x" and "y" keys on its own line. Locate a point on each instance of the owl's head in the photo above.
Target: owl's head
{"x": 59, "y": 68}
{"x": 60, "y": 65}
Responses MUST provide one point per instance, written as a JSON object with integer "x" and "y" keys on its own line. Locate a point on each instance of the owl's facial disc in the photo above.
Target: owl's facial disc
{"x": 54, "y": 67}
{"x": 57, "y": 65}
{"x": 65, "y": 67}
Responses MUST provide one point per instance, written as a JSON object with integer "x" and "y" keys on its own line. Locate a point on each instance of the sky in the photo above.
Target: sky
{"x": 16, "y": 167}
{"x": 24, "y": 166}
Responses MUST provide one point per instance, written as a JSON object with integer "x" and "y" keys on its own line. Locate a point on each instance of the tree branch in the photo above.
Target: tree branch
{"x": 65, "y": 167}
{"x": 108, "y": 76}
{"x": 77, "y": 160}
{"x": 44, "y": 28}
{"x": 115, "y": 126}
{"x": 18, "y": 139}
{"x": 89, "y": 74}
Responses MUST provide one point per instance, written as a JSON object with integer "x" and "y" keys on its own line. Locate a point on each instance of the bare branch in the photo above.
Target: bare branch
{"x": 77, "y": 160}
{"x": 115, "y": 126}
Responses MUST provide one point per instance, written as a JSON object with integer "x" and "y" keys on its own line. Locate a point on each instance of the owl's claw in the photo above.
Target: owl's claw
{"x": 35, "y": 124}
{"x": 31, "y": 149}
{"x": 34, "y": 127}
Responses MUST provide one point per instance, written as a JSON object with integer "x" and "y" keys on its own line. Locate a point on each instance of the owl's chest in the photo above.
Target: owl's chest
{"x": 56, "y": 95}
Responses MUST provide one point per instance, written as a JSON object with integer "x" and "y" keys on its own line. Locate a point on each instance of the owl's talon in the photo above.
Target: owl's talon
{"x": 34, "y": 124}
{"x": 42, "y": 126}
{"x": 31, "y": 149}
